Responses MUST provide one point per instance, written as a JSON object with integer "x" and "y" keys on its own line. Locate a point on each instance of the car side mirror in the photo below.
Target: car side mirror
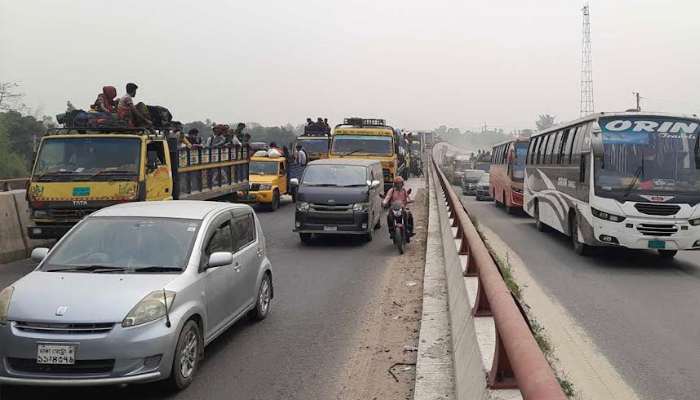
{"x": 219, "y": 259}
{"x": 39, "y": 254}
{"x": 374, "y": 184}
{"x": 294, "y": 182}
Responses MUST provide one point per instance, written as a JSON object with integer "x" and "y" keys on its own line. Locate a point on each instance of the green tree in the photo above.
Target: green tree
{"x": 12, "y": 165}
{"x": 23, "y": 132}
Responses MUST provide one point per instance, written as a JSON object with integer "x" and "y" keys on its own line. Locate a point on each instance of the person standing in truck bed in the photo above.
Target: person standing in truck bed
{"x": 127, "y": 110}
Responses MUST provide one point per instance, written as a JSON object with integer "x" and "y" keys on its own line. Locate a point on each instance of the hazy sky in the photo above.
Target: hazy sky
{"x": 416, "y": 63}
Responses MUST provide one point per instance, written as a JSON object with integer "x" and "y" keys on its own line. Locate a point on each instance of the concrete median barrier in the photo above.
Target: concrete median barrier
{"x": 12, "y": 245}
{"x": 23, "y": 213}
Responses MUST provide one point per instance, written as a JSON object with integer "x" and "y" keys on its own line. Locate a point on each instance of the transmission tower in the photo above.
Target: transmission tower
{"x": 586, "y": 66}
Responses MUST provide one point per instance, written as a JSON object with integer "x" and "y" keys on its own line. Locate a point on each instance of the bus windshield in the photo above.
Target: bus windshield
{"x": 314, "y": 146}
{"x": 519, "y": 165}
{"x": 363, "y": 145}
{"x": 87, "y": 156}
{"x": 636, "y": 160}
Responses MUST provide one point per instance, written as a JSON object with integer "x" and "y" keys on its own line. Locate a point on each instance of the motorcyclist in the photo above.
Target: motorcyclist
{"x": 398, "y": 193}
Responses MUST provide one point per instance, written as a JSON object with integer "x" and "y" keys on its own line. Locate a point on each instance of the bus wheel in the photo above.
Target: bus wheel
{"x": 667, "y": 254}
{"x": 581, "y": 249}
{"x": 509, "y": 209}
{"x": 538, "y": 222}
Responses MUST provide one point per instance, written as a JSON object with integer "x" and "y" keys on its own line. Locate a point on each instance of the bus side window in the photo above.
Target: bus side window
{"x": 561, "y": 151}
{"x": 554, "y": 153}
{"x": 576, "y": 152}
{"x": 536, "y": 150}
{"x": 548, "y": 150}
{"x": 570, "y": 145}
{"x": 530, "y": 152}
{"x": 540, "y": 149}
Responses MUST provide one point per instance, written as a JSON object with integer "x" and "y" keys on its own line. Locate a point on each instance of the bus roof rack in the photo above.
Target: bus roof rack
{"x": 356, "y": 121}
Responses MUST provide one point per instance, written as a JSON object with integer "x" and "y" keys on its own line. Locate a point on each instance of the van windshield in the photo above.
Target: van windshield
{"x": 335, "y": 175}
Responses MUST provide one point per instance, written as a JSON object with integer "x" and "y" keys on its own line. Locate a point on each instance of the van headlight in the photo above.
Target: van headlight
{"x": 265, "y": 187}
{"x": 360, "y": 207}
{"x": 695, "y": 222}
{"x": 5, "y": 297}
{"x": 302, "y": 206}
{"x": 150, "y": 308}
{"x": 606, "y": 216}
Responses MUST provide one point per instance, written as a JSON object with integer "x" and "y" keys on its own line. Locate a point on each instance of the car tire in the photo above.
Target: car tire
{"x": 667, "y": 254}
{"x": 275, "y": 204}
{"x": 263, "y": 299}
{"x": 305, "y": 238}
{"x": 186, "y": 358}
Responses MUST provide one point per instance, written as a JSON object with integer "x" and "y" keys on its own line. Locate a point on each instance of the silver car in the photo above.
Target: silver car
{"x": 133, "y": 293}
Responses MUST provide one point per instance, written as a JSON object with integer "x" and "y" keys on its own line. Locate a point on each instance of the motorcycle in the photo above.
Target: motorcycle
{"x": 399, "y": 217}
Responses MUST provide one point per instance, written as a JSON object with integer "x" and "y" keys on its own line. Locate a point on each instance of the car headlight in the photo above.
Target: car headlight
{"x": 5, "y": 297}
{"x": 265, "y": 187}
{"x": 606, "y": 216}
{"x": 150, "y": 308}
{"x": 360, "y": 207}
{"x": 302, "y": 206}
{"x": 695, "y": 222}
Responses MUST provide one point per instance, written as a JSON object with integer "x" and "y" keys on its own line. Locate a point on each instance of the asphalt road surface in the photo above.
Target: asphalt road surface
{"x": 641, "y": 311}
{"x": 297, "y": 352}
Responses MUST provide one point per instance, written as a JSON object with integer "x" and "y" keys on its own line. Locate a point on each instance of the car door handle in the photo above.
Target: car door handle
{"x": 237, "y": 267}
{"x": 259, "y": 252}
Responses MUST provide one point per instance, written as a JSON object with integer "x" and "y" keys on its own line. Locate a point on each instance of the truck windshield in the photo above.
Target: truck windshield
{"x": 642, "y": 159}
{"x": 125, "y": 243}
{"x": 314, "y": 146}
{"x": 335, "y": 175}
{"x": 519, "y": 164}
{"x": 363, "y": 145}
{"x": 263, "y": 167}
{"x": 88, "y": 155}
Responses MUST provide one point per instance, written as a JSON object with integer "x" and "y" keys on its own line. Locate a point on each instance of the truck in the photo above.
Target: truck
{"x": 315, "y": 145}
{"x": 81, "y": 169}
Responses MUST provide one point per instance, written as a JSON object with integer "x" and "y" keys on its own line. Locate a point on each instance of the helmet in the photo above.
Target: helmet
{"x": 398, "y": 181}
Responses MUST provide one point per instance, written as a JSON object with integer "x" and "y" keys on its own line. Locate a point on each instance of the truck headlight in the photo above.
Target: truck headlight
{"x": 360, "y": 207}
{"x": 150, "y": 308}
{"x": 265, "y": 187}
{"x": 5, "y": 297}
{"x": 695, "y": 222}
{"x": 302, "y": 206}
{"x": 40, "y": 214}
{"x": 606, "y": 216}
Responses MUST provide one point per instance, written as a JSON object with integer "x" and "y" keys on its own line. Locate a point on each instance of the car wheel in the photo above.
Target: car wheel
{"x": 581, "y": 249}
{"x": 667, "y": 254}
{"x": 275, "y": 204}
{"x": 538, "y": 222}
{"x": 305, "y": 237}
{"x": 187, "y": 356}
{"x": 262, "y": 306}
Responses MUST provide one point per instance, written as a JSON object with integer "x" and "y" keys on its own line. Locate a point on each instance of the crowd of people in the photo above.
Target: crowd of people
{"x": 318, "y": 128}
{"x": 107, "y": 102}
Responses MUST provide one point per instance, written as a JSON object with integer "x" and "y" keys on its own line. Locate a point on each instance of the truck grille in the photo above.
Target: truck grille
{"x": 331, "y": 208}
{"x": 80, "y": 367}
{"x": 657, "y": 230}
{"x": 69, "y": 213}
{"x": 324, "y": 221}
{"x": 657, "y": 209}
{"x": 80, "y": 329}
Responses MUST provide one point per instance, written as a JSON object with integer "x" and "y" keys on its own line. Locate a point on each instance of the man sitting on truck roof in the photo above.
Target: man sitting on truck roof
{"x": 106, "y": 101}
{"x": 126, "y": 108}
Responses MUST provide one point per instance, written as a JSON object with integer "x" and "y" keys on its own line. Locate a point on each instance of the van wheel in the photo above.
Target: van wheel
{"x": 581, "y": 249}
{"x": 262, "y": 305}
{"x": 378, "y": 225}
{"x": 275, "y": 204}
{"x": 305, "y": 238}
{"x": 369, "y": 236}
{"x": 538, "y": 222}
{"x": 187, "y": 355}
{"x": 667, "y": 254}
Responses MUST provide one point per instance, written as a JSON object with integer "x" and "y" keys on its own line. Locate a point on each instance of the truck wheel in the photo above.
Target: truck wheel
{"x": 275, "y": 204}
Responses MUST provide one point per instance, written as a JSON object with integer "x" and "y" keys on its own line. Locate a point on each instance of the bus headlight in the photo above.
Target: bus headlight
{"x": 302, "y": 206}
{"x": 606, "y": 216}
{"x": 517, "y": 190}
{"x": 695, "y": 222}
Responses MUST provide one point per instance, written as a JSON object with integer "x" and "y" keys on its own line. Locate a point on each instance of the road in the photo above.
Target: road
{"x": 641, "y": 311}
{"x": 321, "y": 294}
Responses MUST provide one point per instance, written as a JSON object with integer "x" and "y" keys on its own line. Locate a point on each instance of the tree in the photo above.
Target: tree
{"x": 12, "y": 165}
{"x": 10, "y": 98}
{"x": 545, "y": 122}
{"x": 22, "y": 132}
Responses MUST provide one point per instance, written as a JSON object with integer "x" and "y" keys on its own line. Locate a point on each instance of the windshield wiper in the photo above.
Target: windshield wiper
{"x": 158, "y": 268}
{"x": 353, "y": 152}
{"x": 354, "y": 185}
{"x": 640, "y": 171}
{"x": 321, "y": 184}
{"x": 54, "y": 173}
{"x": 113, "y": 171}
{"x": 92, "y": 268}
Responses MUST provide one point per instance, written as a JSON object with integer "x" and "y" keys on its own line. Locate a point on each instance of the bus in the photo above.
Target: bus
{"x": 372, "y": 139}
{"x": 507, "y": 173}
{"x": 628, "y": 179}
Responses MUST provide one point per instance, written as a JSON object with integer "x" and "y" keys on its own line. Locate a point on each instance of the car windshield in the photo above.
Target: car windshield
{"x": 335, "y": 175}
{"x": 87, "y": 156}
{"x": 519, "y": 164}
{"x": 314, "y": 146}
{"x": 472, "y": 175}
{"x": 362, "y": 145}
{"x": 263, "y": 167}
{"x": 125, "y": 243}
{"x": 635, "y": 159}
{"x": 484, "y": 180}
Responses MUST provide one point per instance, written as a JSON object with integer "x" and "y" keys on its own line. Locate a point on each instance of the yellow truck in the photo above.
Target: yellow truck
{"x": 268, "y": 181}
{"x": 79, "y": 170}
{"x": 371, "y": 139}
{"x": 316, "y": 146}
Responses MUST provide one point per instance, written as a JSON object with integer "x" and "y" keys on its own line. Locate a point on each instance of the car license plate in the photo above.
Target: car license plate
{"x": 55, "y": 354}
{"x": 330, "y": 228}
{"x": 657, "y": 244}
{"x": 252, "y": 197}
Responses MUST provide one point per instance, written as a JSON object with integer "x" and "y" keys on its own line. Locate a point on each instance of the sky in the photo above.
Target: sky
{"x": 418, "y": 64}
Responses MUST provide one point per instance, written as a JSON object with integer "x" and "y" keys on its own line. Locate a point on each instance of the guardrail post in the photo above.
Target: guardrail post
{"x": 482, "y": 308}
{"x": 501, "y": 375}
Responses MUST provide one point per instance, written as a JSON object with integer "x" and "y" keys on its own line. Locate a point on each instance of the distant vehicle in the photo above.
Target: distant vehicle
{"x": 508, "y": 172}
{"x": 339, "y": 196}
{"x": 461, "y": 163}
{"x": 316, "y": 146}
{"x": 79, "y": 170}
{"x": 470, "y": 179}
{"x": 483, "y": 191}
{"x": 482, "y": 161}
{"x": 268, "y": 181}
{"x": 120, "y": 299}
{"x": 627, "y": 179}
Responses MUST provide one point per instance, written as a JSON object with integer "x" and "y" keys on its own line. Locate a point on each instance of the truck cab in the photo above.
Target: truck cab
{"x": 268, "y": 178}
{"x": 315, "y": 146}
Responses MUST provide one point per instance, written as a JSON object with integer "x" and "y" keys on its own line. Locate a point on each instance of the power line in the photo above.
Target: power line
{"x": 586, "y": 66}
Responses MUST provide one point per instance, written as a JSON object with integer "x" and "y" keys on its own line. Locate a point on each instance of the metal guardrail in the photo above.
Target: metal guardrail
{"x": 12, "y": 184}
{"x": 518, "y": 362}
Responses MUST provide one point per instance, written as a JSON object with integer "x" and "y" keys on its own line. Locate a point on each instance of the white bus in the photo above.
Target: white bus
{"x": 618, "y": 179}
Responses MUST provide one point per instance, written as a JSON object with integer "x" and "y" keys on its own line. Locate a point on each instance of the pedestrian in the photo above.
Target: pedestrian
{"x": 239, "y": 132}
{"x": 193, "y": 137}
{"x": 302, "y": 157}
{"x": 127, "y": 110}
